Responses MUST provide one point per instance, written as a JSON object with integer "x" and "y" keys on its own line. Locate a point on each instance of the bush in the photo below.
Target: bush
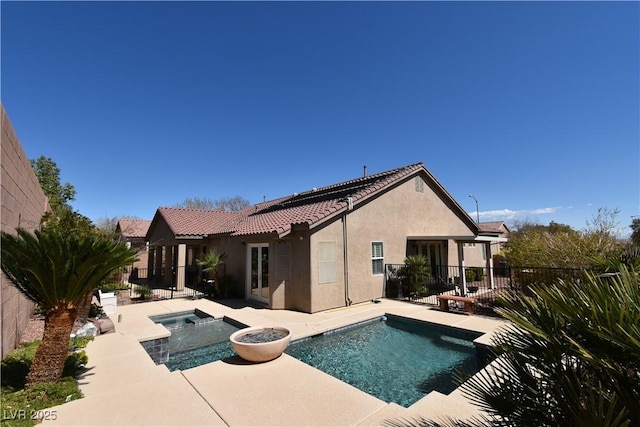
{"x": 15, "y": 366}
{"x": 74, "y": 363}
{"x": 95, "y": 310}
{"x": 474, "y": 273}
{"x": 417, "y": 270}
{"x": 227, "y": 286}
{"x": 114, "y": 287}
{"x": 470, "y": 275}
{"x": 144, "y": 292}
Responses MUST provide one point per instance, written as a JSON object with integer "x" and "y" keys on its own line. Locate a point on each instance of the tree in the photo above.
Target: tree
{"x": 210, "y": 261}
{"x": 57, "y": 270}
{"x": 560, "y": 246}
{"x": 236, "y": 203}
{"x": 48, "y": 174}
{"x": 635, "y": 231}
{"x": 110, "y": 225}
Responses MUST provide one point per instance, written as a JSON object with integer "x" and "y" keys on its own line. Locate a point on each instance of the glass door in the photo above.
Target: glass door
{"x": 258, "y": 272}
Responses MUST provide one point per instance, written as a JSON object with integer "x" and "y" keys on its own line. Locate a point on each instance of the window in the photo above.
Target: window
{"x": 327, "y": 265}
{"x": 377, "y": 258}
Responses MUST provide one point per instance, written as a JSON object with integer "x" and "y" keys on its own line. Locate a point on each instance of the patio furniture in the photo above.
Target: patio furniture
{"x": 469, "y": 303}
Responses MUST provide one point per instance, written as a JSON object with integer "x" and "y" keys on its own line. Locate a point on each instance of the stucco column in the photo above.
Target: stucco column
{"x": 487, "y": 248}
{"x": 181, "y": 269}
{"x": 150, "y": 262}
{"x": 463, "y": 276}
{"x": 167, "y": 263}
{"x": 157, "y": 274}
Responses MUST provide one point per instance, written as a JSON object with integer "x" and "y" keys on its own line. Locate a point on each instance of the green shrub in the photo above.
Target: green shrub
{"x": 470, "y": 275}
{"x": 144, "y": 292}
{"x": 75, "y": 361}
{"x": 36, "y": 398}
{"x": 417, "y": 270}
{"x": 114, "y": 287}
{"x": 95, "y": 310}
{"x": 474, "y": 274}
{"x": 15, "y": 366}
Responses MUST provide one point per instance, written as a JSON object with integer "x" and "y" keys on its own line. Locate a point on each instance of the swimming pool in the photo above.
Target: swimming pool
{"x": 196, "y": 338}
{"x": 395, "y": 360}
{"x": 392, "y": 358}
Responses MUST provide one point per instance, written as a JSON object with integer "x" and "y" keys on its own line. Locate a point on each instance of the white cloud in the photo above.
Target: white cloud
{"x": 508, "y": 214}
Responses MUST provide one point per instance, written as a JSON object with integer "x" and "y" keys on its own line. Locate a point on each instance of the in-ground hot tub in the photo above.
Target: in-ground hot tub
{"x": 260, "y": 343}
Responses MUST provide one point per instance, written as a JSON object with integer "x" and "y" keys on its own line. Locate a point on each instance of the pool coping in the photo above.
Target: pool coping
{"x": 218, "y": 391}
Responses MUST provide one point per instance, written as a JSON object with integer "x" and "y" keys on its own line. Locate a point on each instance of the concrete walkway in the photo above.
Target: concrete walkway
{"x": 123, "y": 387}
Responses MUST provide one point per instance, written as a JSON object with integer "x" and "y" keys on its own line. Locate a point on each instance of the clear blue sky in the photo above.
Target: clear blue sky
{"x": 531, "y": 107}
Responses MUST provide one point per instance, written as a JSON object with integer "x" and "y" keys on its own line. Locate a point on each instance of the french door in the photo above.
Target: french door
{"x": 258, "y": 272}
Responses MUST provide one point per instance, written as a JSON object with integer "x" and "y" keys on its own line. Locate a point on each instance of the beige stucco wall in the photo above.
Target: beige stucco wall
{"x": 389, "y": 218}
{"x": 23, "y": 204}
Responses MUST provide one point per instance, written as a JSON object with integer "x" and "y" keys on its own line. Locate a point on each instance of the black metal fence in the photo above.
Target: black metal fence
{"x": 164, "y": 283}
{"x": 482, "y": 283}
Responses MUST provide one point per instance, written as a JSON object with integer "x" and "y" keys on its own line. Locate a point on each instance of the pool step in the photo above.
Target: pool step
{"x": 201, "y": 321}
{"x": 440, "y": 407}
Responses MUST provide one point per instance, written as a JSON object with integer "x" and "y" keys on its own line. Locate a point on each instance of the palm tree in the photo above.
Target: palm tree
{"x": 210, "y": 262}
{"x": 57, "y": 270}
{"x": 571, "y": 356}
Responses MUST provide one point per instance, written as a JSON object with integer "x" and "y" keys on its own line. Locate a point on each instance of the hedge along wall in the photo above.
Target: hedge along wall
{"x": 23, "y": 203}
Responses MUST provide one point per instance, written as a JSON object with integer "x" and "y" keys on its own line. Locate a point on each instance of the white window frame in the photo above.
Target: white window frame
{"x": 375, "y": 257}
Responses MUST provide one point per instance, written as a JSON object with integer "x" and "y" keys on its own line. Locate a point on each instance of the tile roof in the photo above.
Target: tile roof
{"x": 133, "y": 228}
{"x": 493, "y": 227}
{"x": 280, "y": 215}
{"x": 196, "y": 222}
{"x": 313, "y": 206}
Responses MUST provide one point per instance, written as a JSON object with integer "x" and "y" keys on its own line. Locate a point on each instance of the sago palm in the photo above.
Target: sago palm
{"x": 57, "y": 271}
{"x": 572, "y": 356}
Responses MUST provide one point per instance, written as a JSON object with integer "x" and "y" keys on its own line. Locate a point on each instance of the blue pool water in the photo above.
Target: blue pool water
{"x": 175, "y": 320}
{"x": 197, "y": 338}
{"x": 394, "y": 360}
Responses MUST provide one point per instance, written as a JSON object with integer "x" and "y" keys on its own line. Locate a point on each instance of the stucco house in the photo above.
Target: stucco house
{"x": 475, "y": 255}
{"x": 133, "y": 232}
{"x": 323, "y": 248}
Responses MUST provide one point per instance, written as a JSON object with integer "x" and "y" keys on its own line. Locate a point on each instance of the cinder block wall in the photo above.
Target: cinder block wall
{"x": 23, "y": 204}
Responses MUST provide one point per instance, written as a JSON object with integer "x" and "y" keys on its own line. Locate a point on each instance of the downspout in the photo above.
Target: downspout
{"x": 345, "y": 246}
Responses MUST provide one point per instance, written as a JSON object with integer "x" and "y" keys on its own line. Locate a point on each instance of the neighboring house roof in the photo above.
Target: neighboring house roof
{"x": 309, "y": 208}
{"x": 498, "y": 227}
{"x": 133, "y": 228}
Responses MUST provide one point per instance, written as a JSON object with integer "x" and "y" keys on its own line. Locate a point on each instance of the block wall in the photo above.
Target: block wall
{"x": 23, "y": 204}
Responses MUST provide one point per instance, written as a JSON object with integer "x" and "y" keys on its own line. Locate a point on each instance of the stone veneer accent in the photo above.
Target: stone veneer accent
{"x": 23, "y": 203}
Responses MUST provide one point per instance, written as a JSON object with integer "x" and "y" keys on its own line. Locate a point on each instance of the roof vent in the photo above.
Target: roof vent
{"x": 350, "y": 203}
{"x": 365, "y": 170}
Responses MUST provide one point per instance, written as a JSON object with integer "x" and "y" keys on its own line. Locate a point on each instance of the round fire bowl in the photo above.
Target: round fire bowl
{"x": 260, "y": 343}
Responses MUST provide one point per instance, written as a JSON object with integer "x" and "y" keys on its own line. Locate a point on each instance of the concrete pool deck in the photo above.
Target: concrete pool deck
{"x": 124, "y": 387}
